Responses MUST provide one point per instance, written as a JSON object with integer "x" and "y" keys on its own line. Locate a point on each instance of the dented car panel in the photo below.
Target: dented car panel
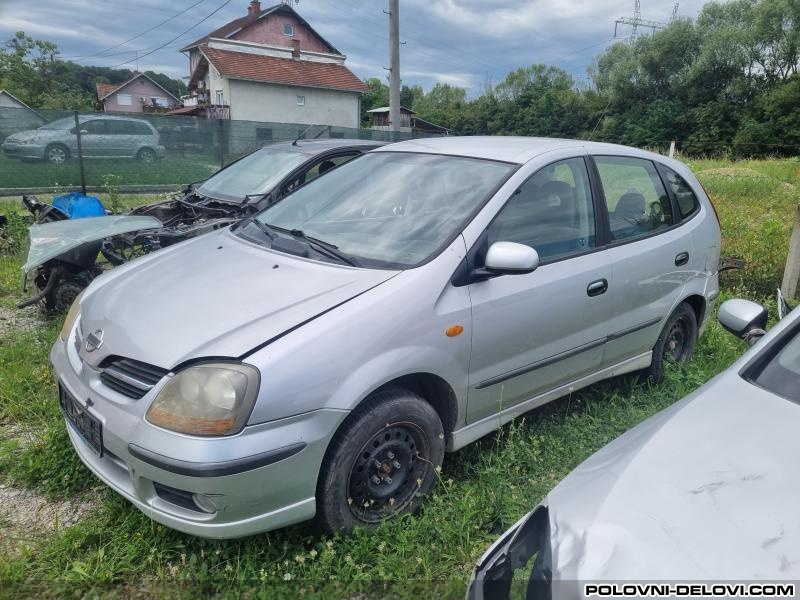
{"x": 49, "y": 240}
{"x": 674, "y": 498}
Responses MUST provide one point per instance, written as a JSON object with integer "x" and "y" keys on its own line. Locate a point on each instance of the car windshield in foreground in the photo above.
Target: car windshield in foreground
{"x": 389, "y": 209}
{"x": 780, "y": 373}
{"x": 253, "y": 175}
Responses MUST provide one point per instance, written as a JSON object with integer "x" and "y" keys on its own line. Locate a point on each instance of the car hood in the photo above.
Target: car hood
{"x": 213, "y": 296}
{"x": 32, "y": 134}
{"x": 703, "y": 490}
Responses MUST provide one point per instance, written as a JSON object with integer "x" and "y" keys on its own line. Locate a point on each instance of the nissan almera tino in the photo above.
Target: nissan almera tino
{"x": 319, "y": 358}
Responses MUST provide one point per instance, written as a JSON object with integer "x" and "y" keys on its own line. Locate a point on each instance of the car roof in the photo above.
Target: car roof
{"x": 312, "y": 147}
{"x": 506, "y": 148}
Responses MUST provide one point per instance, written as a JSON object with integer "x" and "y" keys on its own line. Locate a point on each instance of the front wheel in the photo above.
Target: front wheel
{"x": 56, "y": 154}
{"x": 676, "y": 341}
{"x": 381, "y": 462}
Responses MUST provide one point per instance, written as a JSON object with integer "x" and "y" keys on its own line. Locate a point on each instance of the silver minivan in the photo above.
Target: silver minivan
{"x": 102, "y": 136}
{"x": 319, "y": 358}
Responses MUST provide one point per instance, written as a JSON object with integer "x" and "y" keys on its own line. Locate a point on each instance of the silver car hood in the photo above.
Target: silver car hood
{"x": 213, "y": 296}
{"x": 706, "y": 489}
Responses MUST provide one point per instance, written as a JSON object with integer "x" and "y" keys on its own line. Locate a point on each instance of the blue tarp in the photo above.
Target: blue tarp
{"x": 77, "y": 206}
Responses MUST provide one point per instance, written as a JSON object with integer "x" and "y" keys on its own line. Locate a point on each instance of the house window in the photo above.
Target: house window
{"x": 263, "y": 134}
{"x": 301, "y": 101}
{"x": 220, "y": 98}
{"x": 159, "y": 101}
{"x": 288, "y": 29}
{"x": 124, "y": 100}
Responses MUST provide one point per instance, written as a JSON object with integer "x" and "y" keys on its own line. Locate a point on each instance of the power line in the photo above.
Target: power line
{"x": 167, "y": 43}
{"x": 137, "y": 36}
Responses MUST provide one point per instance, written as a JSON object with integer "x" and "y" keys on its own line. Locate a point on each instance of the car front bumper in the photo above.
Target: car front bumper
{"x": 260, "y": 479}
{"x": 22, "y": 150}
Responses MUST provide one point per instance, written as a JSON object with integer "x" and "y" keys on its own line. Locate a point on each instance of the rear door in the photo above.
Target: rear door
{"x": 532, "y": 333}
{"x": 650, "y": 252}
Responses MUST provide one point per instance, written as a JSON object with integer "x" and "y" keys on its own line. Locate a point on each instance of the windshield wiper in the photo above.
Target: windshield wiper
{"x": 319, "y": 245}
{"x": 265, "y": 229}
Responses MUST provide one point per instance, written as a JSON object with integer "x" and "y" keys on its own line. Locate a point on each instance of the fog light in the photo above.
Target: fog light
{"x": 204, "y": 503}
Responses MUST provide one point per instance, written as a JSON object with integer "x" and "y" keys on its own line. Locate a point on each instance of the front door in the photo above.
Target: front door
{"x": 94, "y": 138}
{"x": 532, "y": 333}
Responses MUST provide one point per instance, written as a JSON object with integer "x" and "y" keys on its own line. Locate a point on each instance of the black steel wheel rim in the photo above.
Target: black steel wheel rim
{"x": 388, "y": 471}
{"x": 676, "y": 345}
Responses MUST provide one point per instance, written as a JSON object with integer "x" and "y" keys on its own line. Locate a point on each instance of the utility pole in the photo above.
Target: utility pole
{"x": 637, "y": 21}
{"x": 394, "y": 61}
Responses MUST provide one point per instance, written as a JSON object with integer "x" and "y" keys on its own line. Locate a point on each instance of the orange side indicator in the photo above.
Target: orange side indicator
{"x": 454, "y": 330}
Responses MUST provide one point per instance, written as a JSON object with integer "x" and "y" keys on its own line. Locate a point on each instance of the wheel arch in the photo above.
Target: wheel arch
{"x": 698, "y": 304}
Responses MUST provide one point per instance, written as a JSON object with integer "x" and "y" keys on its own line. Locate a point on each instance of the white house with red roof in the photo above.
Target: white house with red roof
{"x": 271, "y": 65}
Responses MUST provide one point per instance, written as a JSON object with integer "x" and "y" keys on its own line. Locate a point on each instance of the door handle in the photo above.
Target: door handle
{"x": 681, "y": 259}
{"x": 596, "y": 288}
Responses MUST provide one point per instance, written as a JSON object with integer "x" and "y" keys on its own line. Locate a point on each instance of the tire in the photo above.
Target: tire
{"x": 676, "y": 341}
{"x": 380, "y": 463}
{"x": 56, "y": 154}
{"x": 146, "y": 155}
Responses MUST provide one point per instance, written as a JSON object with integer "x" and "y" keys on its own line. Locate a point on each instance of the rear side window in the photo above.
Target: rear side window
{"x": 687, "y": 200}
{"x": 552, "y": 212}
{"x": 637, "y": 202}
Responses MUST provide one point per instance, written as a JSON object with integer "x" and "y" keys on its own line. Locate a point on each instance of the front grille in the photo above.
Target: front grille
{"x": 130, "y": 377}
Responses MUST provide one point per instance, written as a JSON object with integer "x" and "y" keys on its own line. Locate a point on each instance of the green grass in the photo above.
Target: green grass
{"x": 174, "y": 169}
{"x": 484, "y": 488}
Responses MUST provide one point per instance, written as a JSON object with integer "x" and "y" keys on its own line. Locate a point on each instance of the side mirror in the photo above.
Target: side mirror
{"x": 510, "y": 258}
{"x": 742, "y": 317}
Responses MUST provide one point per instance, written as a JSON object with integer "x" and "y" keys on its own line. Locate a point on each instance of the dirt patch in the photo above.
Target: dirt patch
{"x": 25, "y": 515}
{"x": 13, "y": 319}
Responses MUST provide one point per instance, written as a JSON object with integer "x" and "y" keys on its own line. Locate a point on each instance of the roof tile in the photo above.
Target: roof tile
{"x": 256, "y": 67}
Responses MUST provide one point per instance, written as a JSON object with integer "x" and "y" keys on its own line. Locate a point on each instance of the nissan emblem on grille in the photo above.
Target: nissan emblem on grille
{"x": 94, "y": 340}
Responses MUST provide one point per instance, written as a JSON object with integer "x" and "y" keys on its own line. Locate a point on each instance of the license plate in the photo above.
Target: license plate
{"x": 87, "y": 426}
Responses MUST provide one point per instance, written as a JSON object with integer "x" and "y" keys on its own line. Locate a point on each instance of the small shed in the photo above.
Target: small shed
{"x": 409, "y": 122}
{"x": 16, "y": 116}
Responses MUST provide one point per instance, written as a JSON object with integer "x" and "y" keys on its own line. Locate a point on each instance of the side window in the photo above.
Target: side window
{"x": 687, "y": 200}
{"x": 552, "y": 212}
{"x": 97, "y": 127}
{"x": 317, "y": 169}
{"x": 138, "y": 128}
{"x": 117, "y": 128}
{"x": 636, "y": 199}
{"x": 326, "y": 165}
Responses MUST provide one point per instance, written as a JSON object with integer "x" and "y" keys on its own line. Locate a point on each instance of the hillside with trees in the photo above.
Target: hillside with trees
{"x": 32, "y": 71}
{"x": 727, "y": 82}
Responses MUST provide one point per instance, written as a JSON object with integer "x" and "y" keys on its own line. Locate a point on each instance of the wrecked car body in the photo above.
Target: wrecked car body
{"x": 62, "y": 256}
{"x": 238, "y": 191}
{"x": 700, "y": 491}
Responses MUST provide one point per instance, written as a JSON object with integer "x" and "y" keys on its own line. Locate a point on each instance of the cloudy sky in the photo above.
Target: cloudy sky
{"x": 461, "y": 42}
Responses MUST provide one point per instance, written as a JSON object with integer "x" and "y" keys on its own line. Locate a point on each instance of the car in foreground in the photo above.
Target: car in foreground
{"x": 239, "y": 190}
{"x": 319, "y": 358}
{"x": 102, "y": 136}
{"x": 701, "y": 491}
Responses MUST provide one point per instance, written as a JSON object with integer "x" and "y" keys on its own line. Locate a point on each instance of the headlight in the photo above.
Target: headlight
{"x": 208, "y": 399}
{"x": 72, "y": 316}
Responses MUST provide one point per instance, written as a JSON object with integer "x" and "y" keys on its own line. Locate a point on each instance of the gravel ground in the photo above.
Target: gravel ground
{"x": 25, "y": 515}
{"x": 13, "y": 319}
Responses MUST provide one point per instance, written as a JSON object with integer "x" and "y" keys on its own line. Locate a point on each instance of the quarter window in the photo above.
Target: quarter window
{"x": 635, "y": 197}
{"x": 552, "y": 212}
{"x": 687, "y": 200}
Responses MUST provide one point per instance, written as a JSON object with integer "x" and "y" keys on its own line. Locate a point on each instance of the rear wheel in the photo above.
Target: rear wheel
{"x": 56, "y": 154}
{"x": 146, "y": 155}
{"x": 676, "y": 342}
{"x": 381, "y": 462}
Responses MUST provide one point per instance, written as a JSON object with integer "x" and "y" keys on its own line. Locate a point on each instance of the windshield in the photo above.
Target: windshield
{"x": 256, "y": 173}
{"x": 394, "y": 209}
{"x": 780, "y": 374}
{"x": 65, "y": 123}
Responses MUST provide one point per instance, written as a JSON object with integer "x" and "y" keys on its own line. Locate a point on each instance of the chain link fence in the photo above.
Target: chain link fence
{"x": 51, "y": 151}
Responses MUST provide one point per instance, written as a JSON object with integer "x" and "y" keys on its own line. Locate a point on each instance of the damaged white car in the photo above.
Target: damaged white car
{"x": 702, "y": 491}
